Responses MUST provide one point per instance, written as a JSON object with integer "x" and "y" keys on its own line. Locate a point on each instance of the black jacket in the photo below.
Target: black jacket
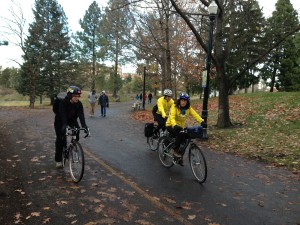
{"x": 69, "y": 113}
{"x": 103, "y": 100}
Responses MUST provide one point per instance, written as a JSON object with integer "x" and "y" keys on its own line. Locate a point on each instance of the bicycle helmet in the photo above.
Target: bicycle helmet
{"x": 74, "y": 90}
{"x": 184, "y": 96}
{"x": 168, "y": 92}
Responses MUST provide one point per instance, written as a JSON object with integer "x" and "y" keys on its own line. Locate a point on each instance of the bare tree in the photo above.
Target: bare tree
{"x": 15, "y": 27}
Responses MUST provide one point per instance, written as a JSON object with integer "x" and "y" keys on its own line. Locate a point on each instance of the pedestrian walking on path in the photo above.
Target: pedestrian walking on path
{"x": 104, "y": 103}
{"x": 149, "y": 98}
{"x": 92, "y": 98}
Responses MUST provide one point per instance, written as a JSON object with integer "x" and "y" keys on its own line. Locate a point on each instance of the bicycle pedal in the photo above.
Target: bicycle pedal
{"x": 178, "y": 160}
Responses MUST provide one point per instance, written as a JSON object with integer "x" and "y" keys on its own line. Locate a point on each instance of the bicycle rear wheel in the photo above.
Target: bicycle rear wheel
{"x": 198, "y": 163}
{"x": 164, "y": 152}
{"x": 153, "y": 140}
{"x": 76, "y": 162}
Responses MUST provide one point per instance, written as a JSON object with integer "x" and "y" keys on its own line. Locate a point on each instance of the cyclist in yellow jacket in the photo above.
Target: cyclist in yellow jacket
{"x": 177, "y": 119}
{"x": 163, "y": 105}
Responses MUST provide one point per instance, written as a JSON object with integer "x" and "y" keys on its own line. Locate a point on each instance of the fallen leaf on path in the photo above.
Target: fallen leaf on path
{"x": 46, "y": 220}
{"x": 143, "y": 222}
{"x": 191, "y": 217}
{"x": 35, "y": 214}
{"x": 61, "y": 202}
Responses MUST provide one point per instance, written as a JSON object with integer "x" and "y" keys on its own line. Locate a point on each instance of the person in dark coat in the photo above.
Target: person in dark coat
{"x": 149, "y": 98}
{"x": 69, "y": 110}
{"x": 104, "y": 103}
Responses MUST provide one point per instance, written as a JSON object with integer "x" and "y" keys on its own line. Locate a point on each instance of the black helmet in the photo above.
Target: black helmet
{"x": 73, "y": 90}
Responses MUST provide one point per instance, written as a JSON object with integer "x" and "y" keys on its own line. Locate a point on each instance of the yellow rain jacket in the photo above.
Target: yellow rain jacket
{"x": 164, "y": 106}
{"x": 176, "y": 118}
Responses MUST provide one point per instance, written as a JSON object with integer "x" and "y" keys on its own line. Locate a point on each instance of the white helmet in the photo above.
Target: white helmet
{"x": 168, "y": 92}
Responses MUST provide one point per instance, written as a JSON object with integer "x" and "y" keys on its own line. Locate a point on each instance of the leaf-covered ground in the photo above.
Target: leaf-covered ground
{"x": 266, "y": 127}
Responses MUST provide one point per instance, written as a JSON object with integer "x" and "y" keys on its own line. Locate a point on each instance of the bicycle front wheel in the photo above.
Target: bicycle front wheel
{"x": 164, "y": 152}
{"x": 198, "y": 163}
{"x": 76, "y": 162}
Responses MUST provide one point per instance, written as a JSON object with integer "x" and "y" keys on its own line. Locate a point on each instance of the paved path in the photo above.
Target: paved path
{"x": 124, "y": 182}
{"x": 235, "y": 186}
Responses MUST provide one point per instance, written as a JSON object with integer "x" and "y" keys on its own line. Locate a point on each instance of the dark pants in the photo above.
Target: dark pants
{"x": 180, "y": 136}
{"x": 103, "y": 110}
{"x": 60, "y": 141}
{"x": 160, "y": 120}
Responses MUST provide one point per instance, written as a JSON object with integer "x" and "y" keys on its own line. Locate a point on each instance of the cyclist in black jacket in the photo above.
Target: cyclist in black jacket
{"x": 70, "y": 109}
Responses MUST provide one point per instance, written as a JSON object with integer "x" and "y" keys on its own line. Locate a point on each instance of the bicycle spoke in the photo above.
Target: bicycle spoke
{"x": 165, "y": 157}
{"x": 198, "y": 163}
{"x": 76, "y": 162}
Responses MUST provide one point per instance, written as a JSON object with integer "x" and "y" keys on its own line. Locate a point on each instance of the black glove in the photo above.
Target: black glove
{"x": 177, "y": 128}
{"x": 107, "y": 105}
{"x": 204, "y": 125}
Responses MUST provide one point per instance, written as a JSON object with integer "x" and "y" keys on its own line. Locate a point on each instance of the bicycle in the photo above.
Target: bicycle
{"x": 74, "y": 153}
{"x": 197, "y": 159}
{"x": 154, "y": 136}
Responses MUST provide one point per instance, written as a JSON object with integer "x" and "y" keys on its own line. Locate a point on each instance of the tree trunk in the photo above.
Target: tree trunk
{"x": 223, "y": 84}
{"x": 276, "y": 62}
{"x": 116, "y": 69}
{"x": 94, "y": 65}
{"x": 223, "y": 110}
{"x": 168, "y": 55}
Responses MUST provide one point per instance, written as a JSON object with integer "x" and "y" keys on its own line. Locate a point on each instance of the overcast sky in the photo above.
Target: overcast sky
{"x": 75, "y": 10}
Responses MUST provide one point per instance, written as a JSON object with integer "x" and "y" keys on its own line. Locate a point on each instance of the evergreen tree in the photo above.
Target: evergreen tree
{"x": 117, "y": 28}
{"x": 281, "y": 69}
{"x": 47, "y": 52}
{"x": 90, "y": 43}
{"x": 248, "y": 22}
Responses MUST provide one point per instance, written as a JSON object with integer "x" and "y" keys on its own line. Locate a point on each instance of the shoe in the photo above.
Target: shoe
{"x": 59, "y": 165}
{"x": 180, "y": 161}
{"x": 104, "y": 115}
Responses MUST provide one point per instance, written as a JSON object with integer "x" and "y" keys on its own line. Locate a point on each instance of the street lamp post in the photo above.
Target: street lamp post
{"x": 144, "y": 87}
{"x": 212, "y": 9}
{"x": 3, "y": 42}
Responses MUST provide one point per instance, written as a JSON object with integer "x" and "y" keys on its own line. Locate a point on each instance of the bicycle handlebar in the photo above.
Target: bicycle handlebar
{"x": 73, "y": 131}
{"x": 193, "y": 132}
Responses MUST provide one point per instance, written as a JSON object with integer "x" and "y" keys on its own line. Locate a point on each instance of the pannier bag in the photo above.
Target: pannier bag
{"x": 149, "y": 129}
{"x": 195, "y": 132}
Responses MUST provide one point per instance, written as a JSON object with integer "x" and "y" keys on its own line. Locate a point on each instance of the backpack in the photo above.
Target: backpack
{"x": 57, "y": 100}
{"x": 148, "y": 130}
{"x": 154, "y": 109}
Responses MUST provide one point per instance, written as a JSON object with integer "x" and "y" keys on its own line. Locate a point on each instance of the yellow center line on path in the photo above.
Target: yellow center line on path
{"x": 153, "y": 200}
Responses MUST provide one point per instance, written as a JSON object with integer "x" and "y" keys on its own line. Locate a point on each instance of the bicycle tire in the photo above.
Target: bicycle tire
{"x": 76, "y": 162}
{"x": 165, "y": 156}
{"x": 154, "y": 140}
{"x": 198, "y": 163}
